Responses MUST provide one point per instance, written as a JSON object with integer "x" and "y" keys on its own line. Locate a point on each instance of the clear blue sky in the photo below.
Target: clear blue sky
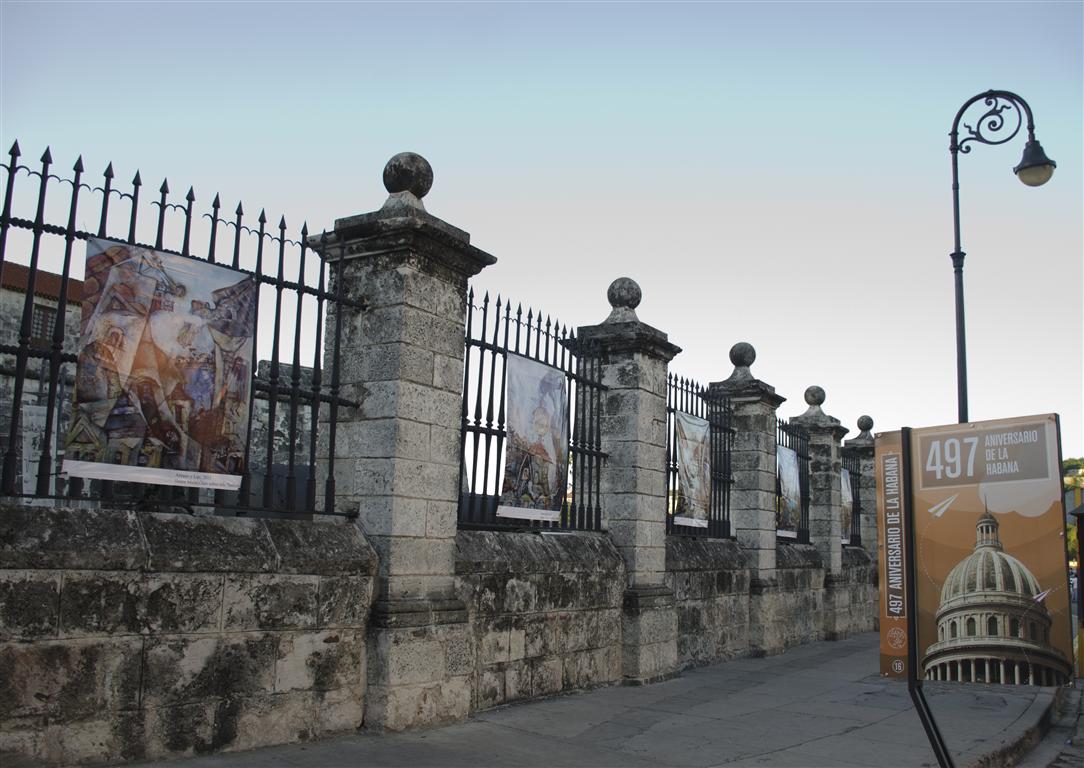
{"x": 775, "y": 172}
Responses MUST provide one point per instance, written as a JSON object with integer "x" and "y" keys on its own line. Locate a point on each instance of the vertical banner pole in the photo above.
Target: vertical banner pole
{"x": 914, "y": 683}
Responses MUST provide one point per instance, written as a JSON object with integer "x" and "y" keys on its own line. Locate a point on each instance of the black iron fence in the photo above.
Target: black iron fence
{"x": 293, "y": 380}
{"x": 494, "y": 333}
{"x": 684, "y": 396}
{"x": 792, "y": 514}
{"x": 851, "y": 525}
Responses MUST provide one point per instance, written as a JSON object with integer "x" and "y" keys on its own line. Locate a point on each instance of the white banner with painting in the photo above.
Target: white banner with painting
{"x": 536, "y": 454}
{"x": 164, "y": 369}
{"x": 846, "y": 506}
{"x": 693, "y": 438}
{"x": 788, "y": 500}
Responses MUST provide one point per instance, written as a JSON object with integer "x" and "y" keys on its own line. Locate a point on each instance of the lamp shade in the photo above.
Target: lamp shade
{"x": 1035, "y": 167}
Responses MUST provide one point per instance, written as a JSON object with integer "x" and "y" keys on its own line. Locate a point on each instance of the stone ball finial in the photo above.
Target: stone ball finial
{"x": 742, "y": 354}
{"x": 814, "y": 396}
{"x": 865, "y": 423}
{"x": 624, "y": 293}
{"x": 408, "y": 172}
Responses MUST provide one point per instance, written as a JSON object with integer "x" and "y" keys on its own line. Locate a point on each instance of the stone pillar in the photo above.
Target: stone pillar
{"x": 862, "y": 448}
{"x": 633, "y": 359}
{"x": 397, "y": 454}
{"x": 825, "y": 491}
{"x": 752, "y": 461}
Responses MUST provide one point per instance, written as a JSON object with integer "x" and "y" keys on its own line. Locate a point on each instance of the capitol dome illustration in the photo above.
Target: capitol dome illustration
{"x": 992, "y": 626}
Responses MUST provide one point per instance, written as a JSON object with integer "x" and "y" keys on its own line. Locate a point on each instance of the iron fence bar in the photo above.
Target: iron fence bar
{"x": 106, "y": 190}
{"x": 136, "y": 184}
{"x": 45, "y": 460}
{"x": 163, "y": 191}
{"x": 317, "y": 380}
{"x": 463, "y": 405}
{"x": 478, "y": 415}
{"x": 329, "y": 484}
{"x": 9, "y": 191}
{"x": 489, "y": 403}
{"x": 272, "y": 410}
{"x": 24, "y": 329}
{"x": 295, "y": 378}
{"x": 245, "y": 491}
{"x": 189, "y": 199}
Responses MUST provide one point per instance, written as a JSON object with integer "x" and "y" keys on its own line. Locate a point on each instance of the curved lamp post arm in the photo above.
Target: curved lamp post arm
{"x": 1035, "y": 168}
{"x": 993, "y": 129}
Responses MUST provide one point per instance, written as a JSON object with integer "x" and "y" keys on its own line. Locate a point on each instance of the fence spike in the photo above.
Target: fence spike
{"x": 240, "y": 211}
{"x": 216, "y": 203}
{"x": 191, "y": 196}
{"x": 263, "y": 216}
{"x": 108, "y": 171}
{"x": 15, "y": 151}
{"x": 305, "y": 230}
{"x": 470, "y": 296}
{"x": 78, "y": 167}
{"x": 282, "y": 222}
{"x": 47, "y": 156}
{"x": 164, "y": 189}
{"x": 136, "y": 181}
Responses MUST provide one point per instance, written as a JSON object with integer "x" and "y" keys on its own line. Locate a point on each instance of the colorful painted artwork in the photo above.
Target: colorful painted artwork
{"x": 164, "y": 370}
{"x": 536, "y": 457}
{"x": 788, "y": 498}
{"x": 846, "y": 506}
{"x": 693, "y": 438}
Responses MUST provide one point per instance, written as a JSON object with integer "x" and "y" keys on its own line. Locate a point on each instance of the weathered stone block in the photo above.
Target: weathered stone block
{"x": 319, "y": 660}
{"x": 339, "y": 710}
{"x": 210, "y": 544}
{"x": 344, "y": 601}
{"x": 58, "y": 538}
{"x": 69, "y": 680}
{"x": 270, "y": 602}
{"x": 432, "y": 704}
{"x": 28, "y": 604}
{"x": 459, "y": 654}
{"x": 517, "y": 681}
{"x": 263, "y": 719}
{"x": 546, "y": 677}
{"x": 181, "y": 730}
{"x": 323, "y": 548}
{"x": 185, "y": 669}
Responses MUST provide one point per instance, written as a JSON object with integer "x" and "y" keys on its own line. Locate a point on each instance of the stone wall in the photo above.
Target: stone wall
{"x": 790, "y": 610}
{"x": 710, "y": 579}
{"x": 853, "y": 596}
{"x": 545, "y": 612}
{"x": 129, "y": 635}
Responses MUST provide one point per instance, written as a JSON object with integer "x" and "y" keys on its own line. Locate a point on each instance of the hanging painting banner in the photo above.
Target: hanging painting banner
{"x": 694, "y": 469}
{"x": 536, "y": 458}
{"x": 846, "y": 506}
{"x": 788, "y": 497}
{"x": 164, "y": 369}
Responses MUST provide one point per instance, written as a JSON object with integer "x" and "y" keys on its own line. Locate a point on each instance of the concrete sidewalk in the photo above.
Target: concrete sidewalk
{"x": 821, "y": 704}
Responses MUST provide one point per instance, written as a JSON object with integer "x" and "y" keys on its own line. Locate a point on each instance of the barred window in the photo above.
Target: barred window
{"x": 41, "y": 322}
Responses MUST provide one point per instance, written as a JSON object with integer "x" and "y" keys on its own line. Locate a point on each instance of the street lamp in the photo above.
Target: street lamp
{"x": 1035, "y": 169}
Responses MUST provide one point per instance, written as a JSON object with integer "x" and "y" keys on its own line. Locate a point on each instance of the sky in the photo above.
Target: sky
{"x": 776, "y": 173}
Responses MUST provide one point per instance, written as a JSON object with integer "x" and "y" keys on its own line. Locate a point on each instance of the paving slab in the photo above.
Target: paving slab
{"x": 821, "y": 704}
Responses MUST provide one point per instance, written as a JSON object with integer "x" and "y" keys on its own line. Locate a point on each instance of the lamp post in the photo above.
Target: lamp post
{"x": 1035, "y": 169}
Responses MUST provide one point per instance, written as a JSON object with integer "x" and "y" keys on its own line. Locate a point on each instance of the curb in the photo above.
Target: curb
{"x": 1041, "y": 714}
